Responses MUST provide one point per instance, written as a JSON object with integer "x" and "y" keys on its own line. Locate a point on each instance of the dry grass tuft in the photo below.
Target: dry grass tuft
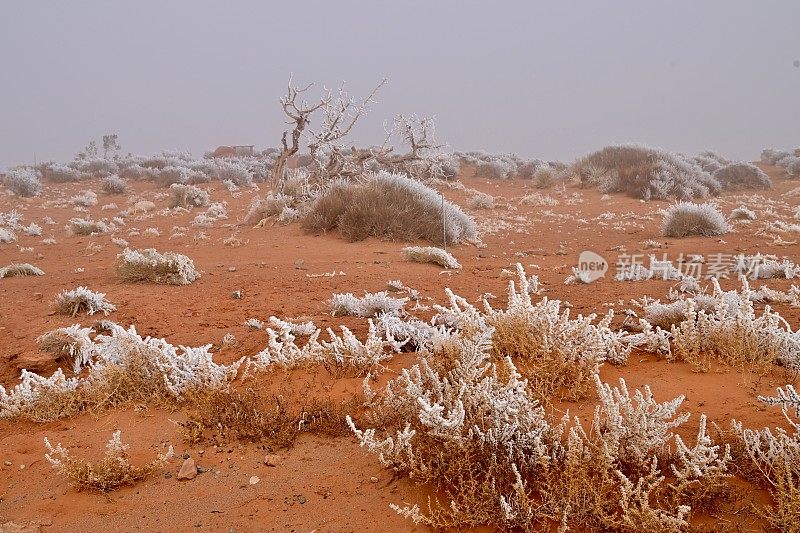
{"x": 110, "y": 473}
{"x": 686, "y": 219}
{"x": 20, "y": 269}
{"x": 390, "y": 206}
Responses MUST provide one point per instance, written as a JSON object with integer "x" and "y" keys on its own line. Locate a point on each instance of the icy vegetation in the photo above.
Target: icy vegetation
{"x": 23, "y": 182}
{"x": 123, "y": 368}
{"x": 20, "y": 269}
{"x": 389, "y": 206}
{"x": 82, "y": 299}
{"x": 150, "y": 265}
{"x": 431, "y": 254}
{"x": 369, "y": 305}
{"x": 688, "y": 219}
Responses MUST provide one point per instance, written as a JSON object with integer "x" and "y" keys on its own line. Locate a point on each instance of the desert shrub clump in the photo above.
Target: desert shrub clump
{"x": 20, "y": 269}
{"x": 742, "y": 176}
{"x": 687, "y": 218}
{"x": 85, "y": 300}
{"x": 187, "y": 196}
{"x": 390, "y": 206}
{"x": 124, "y": 368}
{"x": 23, "y": 182}
{"x": 110, "y": 473}
{"x": 431, "y": 254}
{"x": 150, "y": 265}
{"x": 114, "y": 184}
{"x": 470, "y": 428}
{"x": 80, "y": 226}
{"x": 647, "y": 173}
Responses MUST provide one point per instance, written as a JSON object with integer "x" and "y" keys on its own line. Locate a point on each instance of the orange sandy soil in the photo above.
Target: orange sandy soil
{"x": 333, "y": 478}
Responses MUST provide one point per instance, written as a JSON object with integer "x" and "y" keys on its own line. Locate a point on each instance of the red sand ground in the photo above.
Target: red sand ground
{"x": 333, "y": 478}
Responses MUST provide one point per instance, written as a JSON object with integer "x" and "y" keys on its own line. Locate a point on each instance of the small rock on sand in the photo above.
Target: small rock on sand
{"x": 188, "y": 470}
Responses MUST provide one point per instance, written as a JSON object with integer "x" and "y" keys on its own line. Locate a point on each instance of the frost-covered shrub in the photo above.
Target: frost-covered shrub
{"x": 686, "y": 218}
{"x": 743, "y": 213}
{"x": 236, "y": 172}
{"x": 123, "y": 368}
{"x": 20, "y": 269}
{"x": 467, "y": 424}
{"x": 70, "y": 343}
{"x": 58, "y": 173}
{"x": 113, "y": 184}
{"x": 33, "y": 230}
{"x": 187, "y": 196}
{"x": 710, "y": 161}
{"x": 722, "y": 327}
{"x": 765, "y": 267}
{"x": 481, "y": 200}
{"x": 742, "y": 176}
{"x": 79, "y": 226}
{"x": 149, "y": 265}
{"x": 271, "y": 206}
{"x": 544, "y": 177}
{"x": 389, "y": 206}
{"x": 85, "y": 199}
{"x": 82, "y": 299}
{"x": 97, "y": 167}
{"x": 772, "y": 156}
{"x": 23, "y": 182}
{"x": 649, "y": 173}
{"x": 494, "y": 169}
{"x": 6, "y": 235}
{"x": 793, "y": 167}
{"x": 430, "y": 254}
{"x": 368, "y": 306}
{"x": 110, "y": 473}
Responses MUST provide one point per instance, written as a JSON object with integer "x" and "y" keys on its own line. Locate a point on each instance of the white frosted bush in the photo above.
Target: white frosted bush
{"x": 431, "y": 254}
{"x": 481, "y": 200}
{"x": 187, "y": 196}
{"x": 114, "y": 184}
{"x": 85, "y": 199}
{"x": 370, "y": 305}
{"x": 388, "y": 206}
{"x": 80, "y": 226}
{"x": 70, "y": 342}
{"x": 58, "y": 173}
{"x": 743, "y": 213}
{"x": 82, "y": 299}
{"x": 687, "y": 219}
{"x": 742, "y": 176}
{"x": 20, "y": 269}
{"x": 23, "y": 182}
{"x": 7, "y": 236}
{"x": 150, "y": 265}
{"x": 649, "y": 173}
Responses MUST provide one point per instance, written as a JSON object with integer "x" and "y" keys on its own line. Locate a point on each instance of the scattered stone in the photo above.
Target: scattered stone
{"x": 254, "y": 480}
{"x": 186, "y": 455}
{"x": 188, "y": 470}
{"x": 167, "y": 475}
{"x": 22, "y": 467}
{"x": 231, "y": 269}
{"x": 237, "y": 295}
{"x": 7, "y": 462}
{"x": 272, "y": 460}
{"x": 373, "y": 479}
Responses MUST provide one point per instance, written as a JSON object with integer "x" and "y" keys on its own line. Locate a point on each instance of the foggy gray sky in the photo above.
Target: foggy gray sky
{"x": 552, "y": 81}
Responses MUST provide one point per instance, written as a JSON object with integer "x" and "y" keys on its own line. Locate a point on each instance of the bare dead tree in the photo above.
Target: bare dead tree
{"x": 339, "y": 114}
